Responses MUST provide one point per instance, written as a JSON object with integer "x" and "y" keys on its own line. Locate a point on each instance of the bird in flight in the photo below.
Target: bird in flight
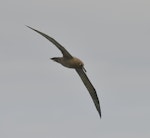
{"x": 72, "y": 62}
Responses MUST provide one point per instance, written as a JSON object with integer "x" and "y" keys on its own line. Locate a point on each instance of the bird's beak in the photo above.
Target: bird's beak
{"x": 84, "y": 69}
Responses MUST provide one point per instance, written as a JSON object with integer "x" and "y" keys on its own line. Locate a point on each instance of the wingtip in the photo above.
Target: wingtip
{"x": 99, "y": 112}
{"x": 100, "y": 115}
{"x": 29, "y": 27}
{"x": 34, "y": 29}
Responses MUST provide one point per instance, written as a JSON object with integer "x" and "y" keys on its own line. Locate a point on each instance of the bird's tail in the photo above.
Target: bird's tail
{"x": 56, "y": 59}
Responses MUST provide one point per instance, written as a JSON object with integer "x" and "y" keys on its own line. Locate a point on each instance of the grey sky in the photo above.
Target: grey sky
{"x": 113, "y": 40}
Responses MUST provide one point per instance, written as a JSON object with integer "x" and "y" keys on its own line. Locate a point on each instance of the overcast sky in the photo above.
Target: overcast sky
{"x": 41, "y": 99}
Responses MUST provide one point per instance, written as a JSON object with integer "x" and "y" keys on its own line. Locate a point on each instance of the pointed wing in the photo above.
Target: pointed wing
{"x": 90, "y": 88}
{"x": 59, "y": 46}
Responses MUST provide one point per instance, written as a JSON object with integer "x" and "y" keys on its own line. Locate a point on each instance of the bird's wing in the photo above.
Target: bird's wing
{"x": 90, "y": 88}
{"x": 59, "y": 46}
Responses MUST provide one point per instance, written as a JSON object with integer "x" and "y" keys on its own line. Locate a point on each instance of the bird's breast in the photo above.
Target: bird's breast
{"x": 72, "y": 63}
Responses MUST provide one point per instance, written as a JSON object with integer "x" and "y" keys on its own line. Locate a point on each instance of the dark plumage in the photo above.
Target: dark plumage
{"x": 71, "y": 62}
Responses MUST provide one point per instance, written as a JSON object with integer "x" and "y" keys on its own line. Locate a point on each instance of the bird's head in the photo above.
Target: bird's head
{"x": 81, "y": 65}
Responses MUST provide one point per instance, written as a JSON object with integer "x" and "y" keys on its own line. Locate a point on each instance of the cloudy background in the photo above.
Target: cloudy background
{"x": 41, "y": 99}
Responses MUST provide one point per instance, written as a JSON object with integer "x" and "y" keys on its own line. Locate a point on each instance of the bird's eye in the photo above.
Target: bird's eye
{"x": 80, "y": 65}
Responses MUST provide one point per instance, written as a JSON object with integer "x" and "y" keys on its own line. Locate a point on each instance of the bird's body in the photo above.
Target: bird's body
{"x": 72, "y": 62}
